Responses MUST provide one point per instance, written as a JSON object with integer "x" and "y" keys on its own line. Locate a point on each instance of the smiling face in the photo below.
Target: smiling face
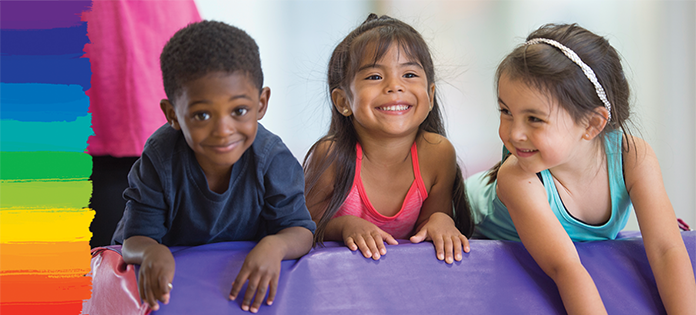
{"x": 390, "y": 97}
{"x": 218, "y": 116}
{"x": 535, "y": 129}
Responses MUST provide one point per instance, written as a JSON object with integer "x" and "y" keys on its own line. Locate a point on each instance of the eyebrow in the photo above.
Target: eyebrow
{"x": 232, "y": 98}
{"x": 526, "y": 111}
{"x": 378, "y": 65}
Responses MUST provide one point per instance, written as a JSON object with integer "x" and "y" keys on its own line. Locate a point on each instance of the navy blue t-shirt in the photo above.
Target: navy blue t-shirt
{"x": 169, "y": 199}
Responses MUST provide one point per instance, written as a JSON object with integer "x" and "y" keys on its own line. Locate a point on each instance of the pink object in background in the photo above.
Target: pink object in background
{"x": 127, "y": 38}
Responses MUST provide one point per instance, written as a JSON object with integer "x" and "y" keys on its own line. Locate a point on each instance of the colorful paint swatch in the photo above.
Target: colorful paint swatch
{"x": 44, "y": 170}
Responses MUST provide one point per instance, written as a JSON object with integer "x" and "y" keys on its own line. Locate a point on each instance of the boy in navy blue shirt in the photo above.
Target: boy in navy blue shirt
{"x": 213, "y": 173}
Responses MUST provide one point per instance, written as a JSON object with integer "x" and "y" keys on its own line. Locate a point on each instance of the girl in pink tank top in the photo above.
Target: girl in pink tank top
{"x": 385, "y": 170}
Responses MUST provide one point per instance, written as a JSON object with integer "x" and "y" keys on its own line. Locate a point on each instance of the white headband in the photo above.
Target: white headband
{"x": 585, "y": 68}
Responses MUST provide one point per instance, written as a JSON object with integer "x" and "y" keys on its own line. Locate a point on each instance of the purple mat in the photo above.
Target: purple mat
{"x": 496, "y": 277}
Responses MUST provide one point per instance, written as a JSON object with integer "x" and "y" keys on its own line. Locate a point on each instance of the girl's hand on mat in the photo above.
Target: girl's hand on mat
{"x": 361, "y": 234}
{"x": 262, "y": 269}
{"x": 155, "y": 275}
{"x": 448, "y": 240}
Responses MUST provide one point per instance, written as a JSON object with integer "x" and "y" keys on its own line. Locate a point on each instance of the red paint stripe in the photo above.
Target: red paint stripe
{"x": 34, "y": 289}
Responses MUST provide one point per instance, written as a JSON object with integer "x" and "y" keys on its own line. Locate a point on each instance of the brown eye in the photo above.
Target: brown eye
{"x": 202, "y": 116}
{"x": 240, "y": 111}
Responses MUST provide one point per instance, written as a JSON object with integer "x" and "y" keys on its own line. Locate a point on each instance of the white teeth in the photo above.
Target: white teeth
{"x": 527, "y": 151}
{"x": 394, "y": 107}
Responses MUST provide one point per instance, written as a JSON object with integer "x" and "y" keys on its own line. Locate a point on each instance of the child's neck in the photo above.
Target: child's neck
{"x": 584, "y": 166}
{"x": 386, "y": 151}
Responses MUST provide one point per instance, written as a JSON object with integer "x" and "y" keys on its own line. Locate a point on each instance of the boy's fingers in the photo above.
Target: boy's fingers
{"x": 164, "y": 287}
{"x": 260, "y": 295}
{"x": 272, "y": 291}
{"x": 237, "y": 284}
{"x": 250, "y": 291}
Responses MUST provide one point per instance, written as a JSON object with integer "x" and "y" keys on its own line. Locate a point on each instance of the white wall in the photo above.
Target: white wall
{"x": 657, "y": 40}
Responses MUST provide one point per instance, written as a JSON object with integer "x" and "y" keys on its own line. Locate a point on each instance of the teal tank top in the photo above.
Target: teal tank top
{"x": 493, "y": 220}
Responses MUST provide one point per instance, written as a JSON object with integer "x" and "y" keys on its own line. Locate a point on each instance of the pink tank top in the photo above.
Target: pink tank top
{"x": 401, "y": 224}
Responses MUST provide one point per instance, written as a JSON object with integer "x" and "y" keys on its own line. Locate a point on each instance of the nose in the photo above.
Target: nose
{"x": 224, "y": 126}
{"x": 514, "y": 131}
{"x": 393, "y": 85}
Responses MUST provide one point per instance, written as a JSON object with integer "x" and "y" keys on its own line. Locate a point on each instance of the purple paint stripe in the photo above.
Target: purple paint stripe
{"x": 41, "y": 14}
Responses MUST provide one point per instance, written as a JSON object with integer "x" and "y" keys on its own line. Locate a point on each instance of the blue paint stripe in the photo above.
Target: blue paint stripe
{"x": 58, "y": 69}
{"x": 42, "y": 102}
{"x": 57, "y": 41}
{"x": 45, "y": 136}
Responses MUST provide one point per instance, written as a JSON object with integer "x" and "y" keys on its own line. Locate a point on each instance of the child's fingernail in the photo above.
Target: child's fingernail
{"x": 383, "y": 251}
{"x": 459, "y": 257}
{"x": 254, "y": 310}
{"x": 245, "y": 307}
{"x": 368, "y": 253}
{"x": 269, "y": 302}
{"x": 440, "y": 256}
{"x": 232, "y": 297}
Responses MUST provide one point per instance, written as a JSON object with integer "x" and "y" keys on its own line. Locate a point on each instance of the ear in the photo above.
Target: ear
{"x": 596, "y": 123}
{"x": 340, "y": 101}
{"x": 432, "y": 95}
{"x": 170, "y": 113}
{"x": 263, "y": 102}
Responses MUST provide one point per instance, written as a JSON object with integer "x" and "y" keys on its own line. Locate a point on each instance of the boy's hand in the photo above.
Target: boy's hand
{"x": 361, "y": 234}
{"x": 262, "y": 268}
{"x": 155, "y": 275}
{"x": 446, "y": 237}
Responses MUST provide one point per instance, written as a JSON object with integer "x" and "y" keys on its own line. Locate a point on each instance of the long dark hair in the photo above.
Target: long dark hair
{"x": 547, "y": 69}
{"x": 341, "y": 138}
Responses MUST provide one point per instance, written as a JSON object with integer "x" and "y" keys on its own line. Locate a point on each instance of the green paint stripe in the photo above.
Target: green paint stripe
{"x": 44, "y": 165}
{"x": 42, "y": 194}
{"x": 70, "y": 136}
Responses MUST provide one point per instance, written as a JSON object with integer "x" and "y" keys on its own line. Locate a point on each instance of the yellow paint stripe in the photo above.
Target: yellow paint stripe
{"x": 45, "y": 225}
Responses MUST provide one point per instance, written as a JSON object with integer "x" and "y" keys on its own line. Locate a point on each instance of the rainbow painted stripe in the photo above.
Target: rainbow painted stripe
{"x": 44, "y": 170}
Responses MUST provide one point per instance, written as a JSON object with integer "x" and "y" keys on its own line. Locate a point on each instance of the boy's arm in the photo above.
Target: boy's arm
{"x": 262, "y": 265}
{"x": 546, "y": 240}
{"x": 156, "y": 268}
{"x": 664, "y": 245}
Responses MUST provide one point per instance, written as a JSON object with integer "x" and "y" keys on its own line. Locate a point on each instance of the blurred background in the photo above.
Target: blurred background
{"x": 657, "y": 40}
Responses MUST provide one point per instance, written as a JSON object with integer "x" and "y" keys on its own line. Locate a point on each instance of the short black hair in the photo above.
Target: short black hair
{"x": 204, "y": 47}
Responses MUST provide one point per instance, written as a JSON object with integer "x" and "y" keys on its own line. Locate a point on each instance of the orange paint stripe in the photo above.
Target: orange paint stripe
{"x": 44, "y": 288}
{"x": 39, "y": 258}
{"x": 58, "y": 308}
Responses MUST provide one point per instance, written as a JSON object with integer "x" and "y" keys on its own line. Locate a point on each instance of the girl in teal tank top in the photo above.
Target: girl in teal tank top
{"x": 573, "y": 170}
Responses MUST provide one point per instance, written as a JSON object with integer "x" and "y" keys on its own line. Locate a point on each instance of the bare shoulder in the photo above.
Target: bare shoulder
{"x": 435, "y": 148}
{"x": 639, "y": 162}
{"x": 515, "y": 181}
{"x": 437, "y": 159}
